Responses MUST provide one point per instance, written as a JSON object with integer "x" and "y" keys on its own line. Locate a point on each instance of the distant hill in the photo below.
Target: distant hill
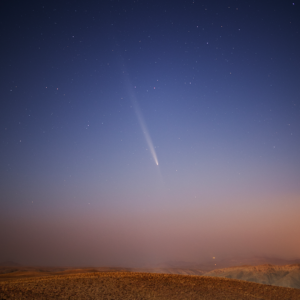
{"x": 10, "y": 263}
{"x": 266, "y": 270}
{"x": 216, "y": 263}
{"x": 254, "y": 261}
{"x": 286, "y": 276}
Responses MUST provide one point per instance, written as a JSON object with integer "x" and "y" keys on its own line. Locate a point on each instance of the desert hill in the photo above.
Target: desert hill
{"x": 216, "y": 263}
{"x": 287, "y": 276}
{"x": 130, "y": 285}
{"x": 13, "y": 273}
{"x": 192, "y": 268}
{"x": 253, "y": 261}
{"x": 278, "y": 275}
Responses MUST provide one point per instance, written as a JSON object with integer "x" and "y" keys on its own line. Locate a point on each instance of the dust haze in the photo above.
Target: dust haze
{"x": 147, "y": 238}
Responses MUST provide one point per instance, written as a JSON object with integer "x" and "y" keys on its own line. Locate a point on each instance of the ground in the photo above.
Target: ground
{"x": 126, "y": 285}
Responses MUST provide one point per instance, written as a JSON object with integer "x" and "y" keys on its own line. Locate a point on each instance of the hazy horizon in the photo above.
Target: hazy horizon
{"x": 128, "y": 239}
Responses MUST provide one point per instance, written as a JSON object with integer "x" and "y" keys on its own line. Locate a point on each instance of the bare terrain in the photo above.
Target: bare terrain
{"x": 167, "y": 281}
{"x": 288, "y": 276}
{"x": 130, "y": 285}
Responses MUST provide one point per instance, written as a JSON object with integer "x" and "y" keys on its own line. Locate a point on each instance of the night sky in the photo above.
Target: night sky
{"x": 139, "y": 132}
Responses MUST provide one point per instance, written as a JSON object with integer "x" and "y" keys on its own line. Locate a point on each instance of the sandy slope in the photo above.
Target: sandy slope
{"x": 288, "y": 276}
{"x": 19, "y": 272}
{"x": 120, "y": 285}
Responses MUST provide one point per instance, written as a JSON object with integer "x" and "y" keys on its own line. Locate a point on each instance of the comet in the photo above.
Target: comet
{"x": 144, "y": 129}
{"x": 142, "y": 122}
